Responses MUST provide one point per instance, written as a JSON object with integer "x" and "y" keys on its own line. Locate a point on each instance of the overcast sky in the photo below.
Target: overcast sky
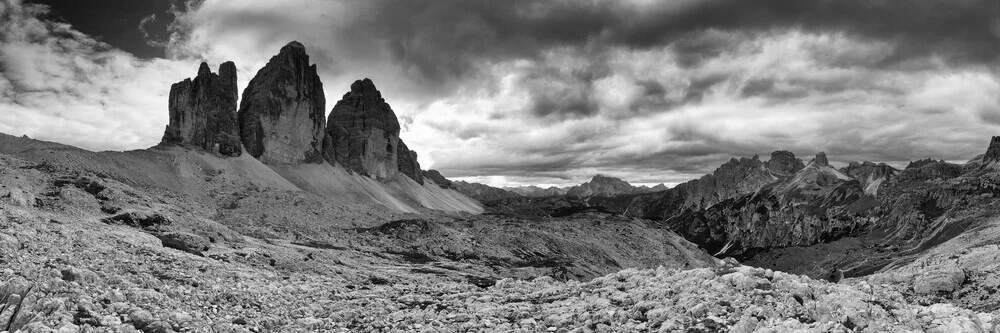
{"x": 541, "y": 92}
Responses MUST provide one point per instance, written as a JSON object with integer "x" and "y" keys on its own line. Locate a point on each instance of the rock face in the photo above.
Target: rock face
{"x": 363, "y": 133}
{"x": 993, "y": 152}
{"x": 784, "y": 163}
{"x": 408, "y": 165}
{"x": 821, "y": 160}
{"x": 871, "y": 176}
{"x": 282, "y": 112}
{"x": 203, "y": 111}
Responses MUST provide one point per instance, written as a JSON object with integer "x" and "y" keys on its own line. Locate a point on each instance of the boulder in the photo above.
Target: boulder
{"x": 80, "y": 275}
{"x": 944, "y": 277}
{"x": 408, "y": 165}
{"x": 186, "y": 242}
{"x": 203, "y": 111}
{"x": 282, "y": 112}
{"x": 139, "y": 219}
{"x": 19, "y": 197}
{"x": 363, "y": 133}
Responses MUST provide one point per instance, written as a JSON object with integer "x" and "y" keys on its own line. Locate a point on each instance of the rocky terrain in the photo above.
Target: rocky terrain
{"x": 331, "y": 225}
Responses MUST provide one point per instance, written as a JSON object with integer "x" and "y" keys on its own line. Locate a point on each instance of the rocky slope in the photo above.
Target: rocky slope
{"x": 282, "y": 113}
{"x": 203, "y": 111}
{"x": 438, "y": 179}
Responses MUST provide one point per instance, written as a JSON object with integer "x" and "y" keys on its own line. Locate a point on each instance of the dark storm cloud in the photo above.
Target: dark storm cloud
{"x": 445, "y": 39}
{"x": 558, "y": 94}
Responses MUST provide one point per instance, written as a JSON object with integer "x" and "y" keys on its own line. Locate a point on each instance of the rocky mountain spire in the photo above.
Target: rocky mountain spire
{"x": 993, "y": 152}
{"x": 821, "y": 160}
{"x": 282, "y": 114}
{"x": 784, "y": 163}
{"x": 363, "y": 133}
{"x": 203, "y": 111}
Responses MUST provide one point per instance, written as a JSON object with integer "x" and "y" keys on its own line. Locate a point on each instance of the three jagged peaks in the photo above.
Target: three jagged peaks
{"x": 282, "y": 120}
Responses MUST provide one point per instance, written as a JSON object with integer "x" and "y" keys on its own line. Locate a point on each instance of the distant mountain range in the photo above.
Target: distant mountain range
{"x": 598, "y": 186}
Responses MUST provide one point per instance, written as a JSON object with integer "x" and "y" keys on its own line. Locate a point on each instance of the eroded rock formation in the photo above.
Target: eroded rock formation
{"x": 282, "y": 112}
{"x": 407, "y": 161}
{"x": 993, "y": 152}
{"x": 203, "y": 111}
{"x": 363, "y": 133}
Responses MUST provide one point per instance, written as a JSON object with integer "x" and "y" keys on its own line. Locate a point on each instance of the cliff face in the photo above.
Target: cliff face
{"x": 993, "y": 152}
{"x": 407, "y": 162}
{"x": 282, "y": 112}
{"x": 747, "y": 204}
{"x": 363, "y": 133}
{"x": 203, "y": 111}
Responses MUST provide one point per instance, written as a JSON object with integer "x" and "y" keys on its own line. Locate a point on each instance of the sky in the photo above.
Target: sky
{"x": 541, "y": 92}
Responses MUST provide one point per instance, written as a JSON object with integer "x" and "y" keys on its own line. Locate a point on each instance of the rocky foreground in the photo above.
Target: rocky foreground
{"x": 70, "y": 276}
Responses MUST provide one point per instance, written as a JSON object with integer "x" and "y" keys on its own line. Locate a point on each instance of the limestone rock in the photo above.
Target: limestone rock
{"x": 945, "y": 277}
{"x": 185, "y": 242}
{"x": 203, "y": 111}
{"x": 139, "y": 219}
{"x": 81, "y": 275}
{"x": 408, "y": 165}
{"x": 282, "y": 112}
{"x": 821, "y": 160}
{"x": 993, "y": 152}
{"x": 784, "y": 163}
{"x": 363, "y": 132}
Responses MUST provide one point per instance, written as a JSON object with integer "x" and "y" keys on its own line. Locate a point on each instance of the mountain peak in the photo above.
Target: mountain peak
{"x": 821, "y": 160}
{"x": 282, "y": 113}
{"x": 603, "y": 178}
{"x": 202, "y": 111}
{"x": 294, "y": 49}
{"x": 784, "y": 163}
{"x": 204, "y": 69}
{"x": 993, "y": 152}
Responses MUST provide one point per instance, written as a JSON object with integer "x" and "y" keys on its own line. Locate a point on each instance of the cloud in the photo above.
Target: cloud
{"x": 61, "y": 85}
